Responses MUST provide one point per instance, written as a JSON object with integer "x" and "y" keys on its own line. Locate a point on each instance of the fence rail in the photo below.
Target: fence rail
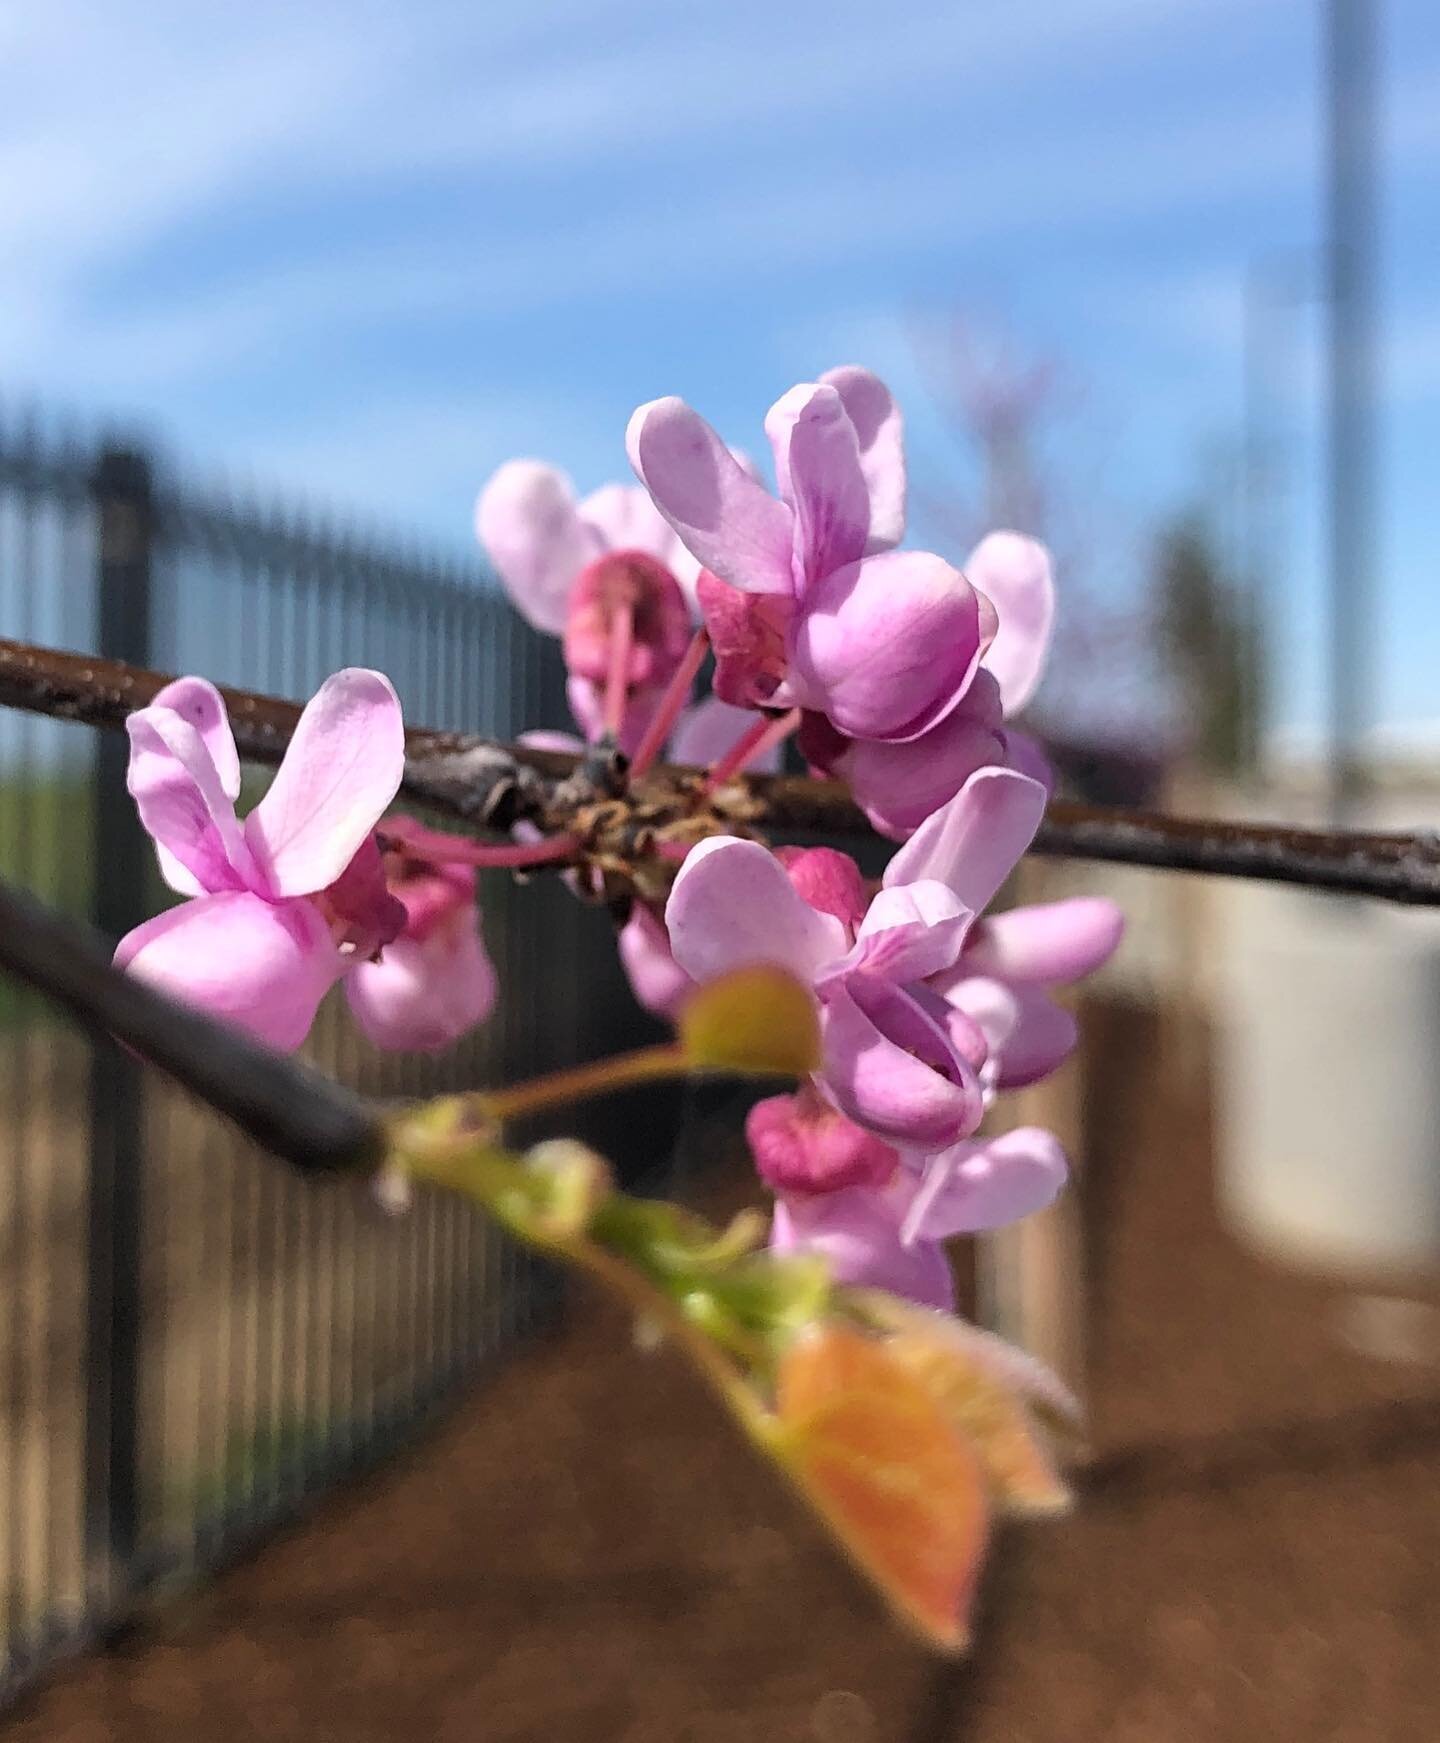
{"x": 191, "y": 1341}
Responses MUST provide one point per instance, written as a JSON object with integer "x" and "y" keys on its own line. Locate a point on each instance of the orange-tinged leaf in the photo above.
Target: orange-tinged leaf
{"x": 1015, "y": 1459}
{"x": 874, "y": 1453}
{"x": 757, "y": 1019}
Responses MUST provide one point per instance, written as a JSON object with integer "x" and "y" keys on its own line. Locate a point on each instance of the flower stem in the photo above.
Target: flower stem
{"x": 646, "y": 1065}
{"x": 517, "y": 855}
{"x": 767, "y": 731}
{"x": 622, "y": 639}
{"x": 667, "y": 711}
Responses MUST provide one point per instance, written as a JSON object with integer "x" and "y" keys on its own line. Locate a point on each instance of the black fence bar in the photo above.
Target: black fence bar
{"x": 125, "y": 521}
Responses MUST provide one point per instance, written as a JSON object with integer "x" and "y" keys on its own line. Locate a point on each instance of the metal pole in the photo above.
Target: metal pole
{"x": 122, "y": 496}
{"x": 1351, "y": 55}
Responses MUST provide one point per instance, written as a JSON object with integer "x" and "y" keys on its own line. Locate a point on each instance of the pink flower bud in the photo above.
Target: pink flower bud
{"x": 828, "y": 880}
{"x": 618, "y": 585}
{"x": 802, "y": 1144}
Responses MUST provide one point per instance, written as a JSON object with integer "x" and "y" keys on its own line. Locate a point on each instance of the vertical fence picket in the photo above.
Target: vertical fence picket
{"x": 124, "y": 510}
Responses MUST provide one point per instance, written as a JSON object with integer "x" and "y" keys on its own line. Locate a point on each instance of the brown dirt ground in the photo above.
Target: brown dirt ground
{"x": 582, "y": 1552}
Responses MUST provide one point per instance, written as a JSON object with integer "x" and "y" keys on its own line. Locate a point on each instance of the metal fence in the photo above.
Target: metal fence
{"x": 190, "y": 1340}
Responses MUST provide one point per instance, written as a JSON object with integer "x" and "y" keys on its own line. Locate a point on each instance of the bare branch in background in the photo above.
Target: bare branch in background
{"x": 482, "y": 783}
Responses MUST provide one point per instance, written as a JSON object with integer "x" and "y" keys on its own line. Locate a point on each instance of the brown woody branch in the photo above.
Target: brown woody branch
{"x": 291, "y": 1111}
{"x": 493, "y": 785}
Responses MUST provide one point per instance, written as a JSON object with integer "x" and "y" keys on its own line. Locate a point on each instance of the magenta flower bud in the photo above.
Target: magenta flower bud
{"x": 802, "y": 1144}
{"x": 828, "y": 880}
{"x": 747, "y": 633}
{"x": 619, "y": 585}
{"x": 434, "y": 982}
{"x": 888, "y": 646}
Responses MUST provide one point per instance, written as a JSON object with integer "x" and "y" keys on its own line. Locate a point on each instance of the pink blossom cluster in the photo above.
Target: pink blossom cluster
{"x": 901, "y": 673}
{"x": 896, "y": 672}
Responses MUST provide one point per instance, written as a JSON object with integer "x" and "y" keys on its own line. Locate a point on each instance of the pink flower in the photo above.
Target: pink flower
{"x": 259, "y": 943}
{"x": 883, "y": 643}
{"x": 899, "y": 783}
{"x": 433, "y": 982}
{"x": 1004, "y": 974}
{"x": 899, "y": 1059}
{"x": 887, "y": 1230}
{"x": 540, "y": 538}
{"x": 605, "y": 574}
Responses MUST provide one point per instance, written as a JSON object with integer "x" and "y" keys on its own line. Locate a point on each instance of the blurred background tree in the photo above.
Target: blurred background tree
{"x": 1210, "y": 646}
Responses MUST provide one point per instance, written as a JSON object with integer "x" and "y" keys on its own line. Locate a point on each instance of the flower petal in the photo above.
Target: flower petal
{"x": 899, "y": 785}
{"x": 729, "y": 523}
{"x": 988, "y": 1004}
{"x": 264, "y": 966}
{"x": 1025, "y": 753}
{"x": 183, "y": 805}
{"x": 976, "y": 841}
{"x": 198, "y": 701}
{"x": 858, "y": 1231}
{"x": 887, "y": 647}
{"x": 527, "y": 521}
{"x": 732, "y": 904}
{"x": 911, "y": 932}
{"x": 975, "y": 1187}
{"x": 1047, "y": 943}
{"x": 424, "y": 994}
{"x": 817, "y": 465}
{"x": 658, "y": 982}
{"x": 893, "y": 1069}
{"x": 1014, "y": 573}
{"x": 343, "y": 767}
{"x": 625, "y": 519}
{"x": 587, "y": 704}
{"x": 543, "y": 738}
{"x": 879, "y": 429}
{"x": 1044, "y": 1037}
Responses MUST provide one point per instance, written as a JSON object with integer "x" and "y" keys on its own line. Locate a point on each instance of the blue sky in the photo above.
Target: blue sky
{"x": 370, "y": 251}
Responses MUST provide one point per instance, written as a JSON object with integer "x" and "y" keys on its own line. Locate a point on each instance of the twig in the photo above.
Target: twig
{"x": 493, "y": 785}
{"x": 289, "y": 1110}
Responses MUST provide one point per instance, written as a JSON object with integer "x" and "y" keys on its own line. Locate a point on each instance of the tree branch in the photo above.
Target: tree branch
{"x": 289, "y": 1110}
{"x": 493, "y": 785}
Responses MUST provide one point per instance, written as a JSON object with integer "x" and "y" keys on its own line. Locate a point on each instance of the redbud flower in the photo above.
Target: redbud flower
{"x": 889, "y": 1233}
{"x": 884, "y": 643}
{"x": 433, "y": 981}
{"x": 899, "y": 1060}
{"x": 540, "y": 538}
{"x": 258, "y": 943}
{"x": 607, "y": 574}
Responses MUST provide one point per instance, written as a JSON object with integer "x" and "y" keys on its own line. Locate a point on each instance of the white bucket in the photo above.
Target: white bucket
{"x": 1328, "y": 1080}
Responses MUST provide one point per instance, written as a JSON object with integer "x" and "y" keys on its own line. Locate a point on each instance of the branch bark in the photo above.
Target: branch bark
{"x": 291, "y": 1111}
{"x": 489, "y": 785}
